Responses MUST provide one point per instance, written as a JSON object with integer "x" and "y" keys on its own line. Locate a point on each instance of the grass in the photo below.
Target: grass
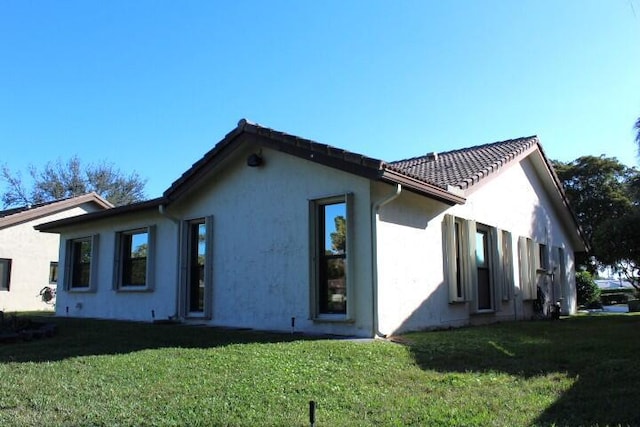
{"x": 573, "y": 372}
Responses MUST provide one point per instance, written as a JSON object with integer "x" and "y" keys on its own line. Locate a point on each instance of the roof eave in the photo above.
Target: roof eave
{"x": 52, "y": 208}
{"x": 247, "y": 132}
{"x": 422, "y": 187}
{"x": 56, "y": 226}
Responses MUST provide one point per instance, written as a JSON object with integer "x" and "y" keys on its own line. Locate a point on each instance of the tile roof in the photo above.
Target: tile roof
{"x": 465, "y": 167}
{"x": 281, "y": 141}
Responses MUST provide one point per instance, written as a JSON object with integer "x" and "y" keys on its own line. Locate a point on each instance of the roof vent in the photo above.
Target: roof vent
{"x": 433, "y": 156}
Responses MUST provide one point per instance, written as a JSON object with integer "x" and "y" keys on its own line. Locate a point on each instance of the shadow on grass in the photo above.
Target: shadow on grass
{"x": 600, "y": 353}
{"x": 91, "y": 337}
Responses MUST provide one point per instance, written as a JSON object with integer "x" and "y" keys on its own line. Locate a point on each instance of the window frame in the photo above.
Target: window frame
{"x": 69, "y": 271}
{"x": 316, "y": 240}
{"x": 120, "y": 260}
{"x": 5, "y": 278}
{"x": 185, "y": 273}
{"x": 488, "y": 264}
{"x": 53, "y": 273}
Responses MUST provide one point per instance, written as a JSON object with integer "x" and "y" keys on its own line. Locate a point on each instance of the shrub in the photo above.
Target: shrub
{"x": 587, "y": 290}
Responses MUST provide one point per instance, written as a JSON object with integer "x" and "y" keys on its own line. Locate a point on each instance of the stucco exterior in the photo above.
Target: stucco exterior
{"x": 31, "y": 252}
{"x": 413, "y": 292}
{"x": 258, "y": 195}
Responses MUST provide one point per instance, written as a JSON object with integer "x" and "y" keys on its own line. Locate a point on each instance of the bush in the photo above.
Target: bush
{"x": 587, "y": 290}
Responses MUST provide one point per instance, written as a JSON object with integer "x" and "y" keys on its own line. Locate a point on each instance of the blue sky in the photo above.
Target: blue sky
{"x": 153, "y": 85}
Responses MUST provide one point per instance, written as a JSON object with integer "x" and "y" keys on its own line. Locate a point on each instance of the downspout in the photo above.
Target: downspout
{"x": 375, "y": 208}
{"x": 162, "y": 210}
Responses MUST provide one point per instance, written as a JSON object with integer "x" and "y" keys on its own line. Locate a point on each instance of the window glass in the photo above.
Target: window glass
{"x": 81, "y": 263}
{"x": 543, "y": 257}
{"x": 333, "y": 258}
{"x": 53, "y": 272}
{"x": 197, "y": 258}
{"x": 135, "y": 246}
{"x": 481, "y": 248}
{"x": 458, "y": 248}
{"x": 5, "y": 274}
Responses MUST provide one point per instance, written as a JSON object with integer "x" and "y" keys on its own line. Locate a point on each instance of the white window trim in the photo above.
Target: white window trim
{"x": 149, "y": 285}
{"x": 314, "y": 270}
{"x": 93, "y": 269}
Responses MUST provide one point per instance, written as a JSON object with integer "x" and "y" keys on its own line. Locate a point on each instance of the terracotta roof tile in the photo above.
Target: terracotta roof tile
{"x": 465, "y": 167}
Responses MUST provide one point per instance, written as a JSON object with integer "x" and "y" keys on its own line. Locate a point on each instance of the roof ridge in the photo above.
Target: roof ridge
{"x": 465, "y": 149}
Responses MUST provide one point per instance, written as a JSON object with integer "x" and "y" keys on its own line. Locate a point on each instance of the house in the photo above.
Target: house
{"x": 276, "y": 232}
{"x": 28, "y": 258}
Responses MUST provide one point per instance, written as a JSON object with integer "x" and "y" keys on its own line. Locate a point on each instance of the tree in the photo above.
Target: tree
{"x": 636, "y": 126}
{"x": 586, "y": 289}
{"x": 339, "y": 237}
{"x": 617, "y": 243}
{"x": 60, "y": 180}
{"x": 598, "y": 188}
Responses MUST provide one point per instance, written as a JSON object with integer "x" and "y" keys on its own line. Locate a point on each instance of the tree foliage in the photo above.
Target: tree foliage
{"x": 598, "y": 188}
{"x": 586, "y": 289}
{"x": 617, "y": 243}
{"x": 339, "y": 237}
{"x": 637, "y": 128}
{"x": 58, "y": 180}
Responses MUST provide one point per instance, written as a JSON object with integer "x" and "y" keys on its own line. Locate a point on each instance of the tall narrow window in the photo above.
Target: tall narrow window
{"x": 5, "y": 274}
{"x": 81, "y": 251}
{"x": 483, "y": 264}
{"x": 331, "y": 246}
{"x": 53, "y": 272}
{"x": 197, "y": 240}
{"x": 333, "y": 258}
{"x": 543, "y": 257}
{"x": 455, "y": 255}
{"x": 457, "y": 242}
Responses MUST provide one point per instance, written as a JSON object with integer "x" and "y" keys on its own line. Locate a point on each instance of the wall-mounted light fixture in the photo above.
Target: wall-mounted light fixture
{"x": 255, "y": 160}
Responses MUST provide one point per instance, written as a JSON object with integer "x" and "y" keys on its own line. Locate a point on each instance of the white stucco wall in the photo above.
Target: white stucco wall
{"x": 31, "y": 253}
{"x": 413, "y": 293}
{"x": 261, "y": 249}
{"x": 261, "y": 236}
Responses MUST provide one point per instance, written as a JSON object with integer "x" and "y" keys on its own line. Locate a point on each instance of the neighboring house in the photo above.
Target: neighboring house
{"x": 28, "y": 258}
{"x": 271, "y": 231}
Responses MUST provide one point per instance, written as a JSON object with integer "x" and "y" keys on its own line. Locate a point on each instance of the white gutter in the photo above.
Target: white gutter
{"x": 163, "y": 211}
{"x": 375, "y": 208}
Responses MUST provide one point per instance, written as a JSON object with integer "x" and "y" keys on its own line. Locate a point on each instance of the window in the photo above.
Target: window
{"x": 196, "y": 268}
{"x": 331, "y": 249}
{"x": 477, "y": 263}
{"x": 456, "y": 250}
{"x": 197, "y": 258}
{"x": 5, "y": 274}
{"x": 81, "y": 271}
{"x": 53, "y": 272}
{"x": 483, "y": 264}
{"x": 543, "y": 257}
{"x": 134, "y": 266}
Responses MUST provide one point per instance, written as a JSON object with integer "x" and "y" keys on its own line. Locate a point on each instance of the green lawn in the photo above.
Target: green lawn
{"x": 577, "y": 371}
